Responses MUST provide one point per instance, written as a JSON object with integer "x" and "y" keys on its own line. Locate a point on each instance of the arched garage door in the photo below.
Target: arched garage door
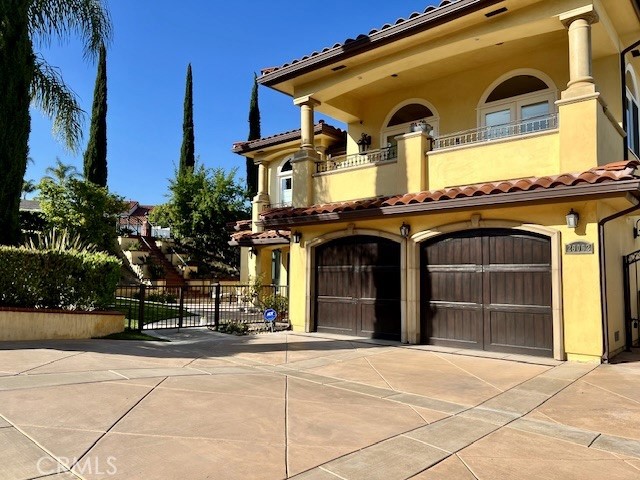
{"x": 357, "y": 287}
{"x": 488, "y": 289}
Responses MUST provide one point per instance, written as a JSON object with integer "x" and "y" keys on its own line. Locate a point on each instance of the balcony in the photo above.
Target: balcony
{"x": 498, "y": 132}
{"x": 359, "y": 159}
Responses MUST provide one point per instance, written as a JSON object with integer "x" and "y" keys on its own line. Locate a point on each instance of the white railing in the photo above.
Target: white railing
{"x": 357, "y": 159}
{"x": 485, "y": 134}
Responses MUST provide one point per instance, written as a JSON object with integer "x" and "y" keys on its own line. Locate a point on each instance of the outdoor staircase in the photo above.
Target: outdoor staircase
{"x": 171, "y": 274}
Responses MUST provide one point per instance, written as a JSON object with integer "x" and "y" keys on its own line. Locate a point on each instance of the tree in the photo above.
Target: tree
{"x": 28, "y": 79}
{"x": 82, "y": 208}
{"x": 187, "y": 152}
{"x": 254, "y": 134}
{"x": 95, "y": 158}
{"x": 201, "y": 203}
{"x": 28, "y": 186}
{"x": 61, "y": 173}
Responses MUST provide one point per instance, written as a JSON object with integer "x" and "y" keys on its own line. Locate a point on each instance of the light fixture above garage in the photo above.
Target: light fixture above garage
{"x": 296, "y": 237}
{"x": 572, "y": 219}
{"x": 405, "y": 229}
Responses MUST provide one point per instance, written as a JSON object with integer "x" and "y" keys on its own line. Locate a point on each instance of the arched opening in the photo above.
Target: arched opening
{"x": 401, "y": 118}
{"x": 285, "y": 183}
{"x": 518, "y": 103}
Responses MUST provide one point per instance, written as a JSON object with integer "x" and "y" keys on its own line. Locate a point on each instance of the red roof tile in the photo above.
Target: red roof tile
{"x": 320, "y": 128}
{"x": 268, "y": 237}
{"x": 612, "y": 172}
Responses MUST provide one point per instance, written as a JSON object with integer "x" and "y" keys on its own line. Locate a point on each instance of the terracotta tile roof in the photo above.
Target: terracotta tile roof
{"x": 239, "y": 226}
{"x": 416, "y": 21}
{"x": 320, "y": 128}
{"x": 268, "y": 237}
{"x": 606, "y": 174}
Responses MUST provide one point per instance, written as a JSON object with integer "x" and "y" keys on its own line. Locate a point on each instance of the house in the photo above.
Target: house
{"x": 135, "y": 221}
{"x": 488, "y": 190}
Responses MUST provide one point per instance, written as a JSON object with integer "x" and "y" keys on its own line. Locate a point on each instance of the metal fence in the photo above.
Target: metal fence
{"x": 208, "y": 305}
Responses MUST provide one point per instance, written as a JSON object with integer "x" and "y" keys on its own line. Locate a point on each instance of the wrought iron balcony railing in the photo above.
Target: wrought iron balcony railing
{"x": 358, "y": 159}
{"x": 485, "y": 134}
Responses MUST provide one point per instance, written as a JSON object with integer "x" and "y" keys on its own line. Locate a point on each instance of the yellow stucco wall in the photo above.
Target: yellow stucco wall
{"x": 579, "y": 298}
{"x": 514, "y": 157}
{"x": 42, "y": 325}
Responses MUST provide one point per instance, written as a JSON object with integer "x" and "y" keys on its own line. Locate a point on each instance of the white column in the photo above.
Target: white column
{"x": 578, "y": 22}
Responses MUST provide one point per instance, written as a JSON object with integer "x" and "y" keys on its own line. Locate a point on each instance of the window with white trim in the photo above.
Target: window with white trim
{"x": 400, "y": 122}
{"x": 285, "y": 183}
{"x": 521, "y": 104}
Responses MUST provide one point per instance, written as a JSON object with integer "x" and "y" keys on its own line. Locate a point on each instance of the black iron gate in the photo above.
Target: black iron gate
{"x": 152, "y": 307}
{"x": 631, "y": 295}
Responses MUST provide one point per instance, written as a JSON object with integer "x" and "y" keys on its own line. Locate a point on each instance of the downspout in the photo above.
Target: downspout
{"x": 603, "y": 278}
{"x": 623, "y": 94}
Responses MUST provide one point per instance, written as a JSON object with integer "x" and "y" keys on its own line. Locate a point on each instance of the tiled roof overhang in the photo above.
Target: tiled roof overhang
{"x": 268, "y": 237}
{"x": 321, "y": 128}
{"x": 616, "y": 179}
{"x": 417, "y": 22}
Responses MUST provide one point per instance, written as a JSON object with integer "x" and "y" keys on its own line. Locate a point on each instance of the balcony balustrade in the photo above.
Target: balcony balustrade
{"x": 358, "y": 159}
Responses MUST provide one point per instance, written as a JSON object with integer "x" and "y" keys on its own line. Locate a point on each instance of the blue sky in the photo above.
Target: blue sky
{"x": 225, "y": 42}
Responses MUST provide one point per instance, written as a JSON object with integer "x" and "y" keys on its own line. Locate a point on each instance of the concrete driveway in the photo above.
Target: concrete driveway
{"x": 283, "y": 405}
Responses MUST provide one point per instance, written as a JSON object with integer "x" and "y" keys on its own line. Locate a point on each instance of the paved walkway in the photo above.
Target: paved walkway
{"x": 278, "y": 406}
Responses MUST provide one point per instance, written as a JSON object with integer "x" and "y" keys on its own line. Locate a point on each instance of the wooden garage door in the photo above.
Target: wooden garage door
{"x": 488, "y": 289}
{"x": 358, "y": 287}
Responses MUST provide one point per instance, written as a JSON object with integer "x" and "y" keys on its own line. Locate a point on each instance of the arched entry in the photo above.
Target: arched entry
{"x": 488, "y": 289}
{"x": 358, "y": 287}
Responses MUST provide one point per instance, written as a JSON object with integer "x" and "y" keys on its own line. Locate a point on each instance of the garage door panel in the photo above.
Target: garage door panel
{"x": 521, "y": 330}
{"x": 449, "y": 324}
{"x": 379, "y": 281}
{"x": 520, "y": 288}
{"x": 337, "y": 315}
{"x": 380, "y": 319}
{"x": 335, "y": 282}
{"x": 457, "y": 286}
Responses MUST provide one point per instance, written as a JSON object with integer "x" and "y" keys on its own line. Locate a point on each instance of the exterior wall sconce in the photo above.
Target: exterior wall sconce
{"x": 405, "y": 229}
{"x": 572, "y": 219}
{"x": 296, "y": 237}
{"x": 364, "y": 143}
{"x": 253, "y": 251}
{"x": 636, "y": 230}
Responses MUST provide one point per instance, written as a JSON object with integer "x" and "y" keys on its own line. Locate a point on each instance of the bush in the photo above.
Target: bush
{"x": 233, "y": 328}
{"x": 68, "y": 280}
{"x": 278, "y": 302}
{"x": 161, "y": 298}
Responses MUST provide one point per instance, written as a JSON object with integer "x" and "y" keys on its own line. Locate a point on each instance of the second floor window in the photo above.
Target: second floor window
{"x": 401, "y": 120}
{"x": 285, "y": 183}
{"x": 633, "y": 125}
{"x": 521, "y": 104}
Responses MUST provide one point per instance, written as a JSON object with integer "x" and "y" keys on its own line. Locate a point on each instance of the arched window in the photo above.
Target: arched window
{"x": 285, "y": 183}
{"x": 633, "y": 125}
{"x": 519, "y": 103}
{"x": 401, "y": 118}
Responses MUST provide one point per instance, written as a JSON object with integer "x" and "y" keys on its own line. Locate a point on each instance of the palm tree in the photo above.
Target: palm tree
{"x": 28, "y": 186}
{"x": 61, "y": 173}
{"x": 28, "y": 79}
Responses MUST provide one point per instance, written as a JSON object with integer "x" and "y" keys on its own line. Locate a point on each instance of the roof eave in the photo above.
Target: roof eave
{"x": 378, "y": 39}
{"x": 258, "y": 242}
{"x": 619, "y": 188}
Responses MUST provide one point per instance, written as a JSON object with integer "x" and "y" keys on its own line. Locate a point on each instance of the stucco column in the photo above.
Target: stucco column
{"x": 578, "y": 22}
{"x": 307, "y": 105}
{"x": 261, "y": 200}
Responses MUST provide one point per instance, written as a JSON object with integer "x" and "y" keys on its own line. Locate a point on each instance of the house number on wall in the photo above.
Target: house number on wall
{"x": 578, "y": 248}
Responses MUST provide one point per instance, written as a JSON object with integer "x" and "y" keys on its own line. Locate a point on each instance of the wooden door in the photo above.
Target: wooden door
{"x": 358, "y": 287}
{"x": 488, "y": 289}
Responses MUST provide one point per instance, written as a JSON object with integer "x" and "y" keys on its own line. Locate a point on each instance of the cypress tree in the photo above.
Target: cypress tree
{"x": 187, "y": 152}
{"x": 95, "y": 158}
{"x": 254, "y": 134}
{"x": 16, "y": 65}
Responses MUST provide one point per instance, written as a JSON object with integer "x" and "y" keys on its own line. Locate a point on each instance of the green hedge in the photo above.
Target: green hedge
{"x": 68, "y": 280}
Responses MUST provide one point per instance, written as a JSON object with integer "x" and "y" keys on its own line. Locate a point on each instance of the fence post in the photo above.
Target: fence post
{"x": 141, "y": 306}
{"x": 181, "y": 309}
{"x": 216, "y": 314}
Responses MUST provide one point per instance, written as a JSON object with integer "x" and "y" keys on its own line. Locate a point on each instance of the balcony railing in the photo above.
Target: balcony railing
{"x": 358, "y": 159}
{"x": 485, "y": 134}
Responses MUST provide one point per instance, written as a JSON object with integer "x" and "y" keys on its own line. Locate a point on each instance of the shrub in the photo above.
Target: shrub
{"x": 134, "y": 247}
{"x": 233, "y": 328}
{"x": 161, "y": 297}
{"x": 279, "y": 303}
{"x": 69, "y": 279}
